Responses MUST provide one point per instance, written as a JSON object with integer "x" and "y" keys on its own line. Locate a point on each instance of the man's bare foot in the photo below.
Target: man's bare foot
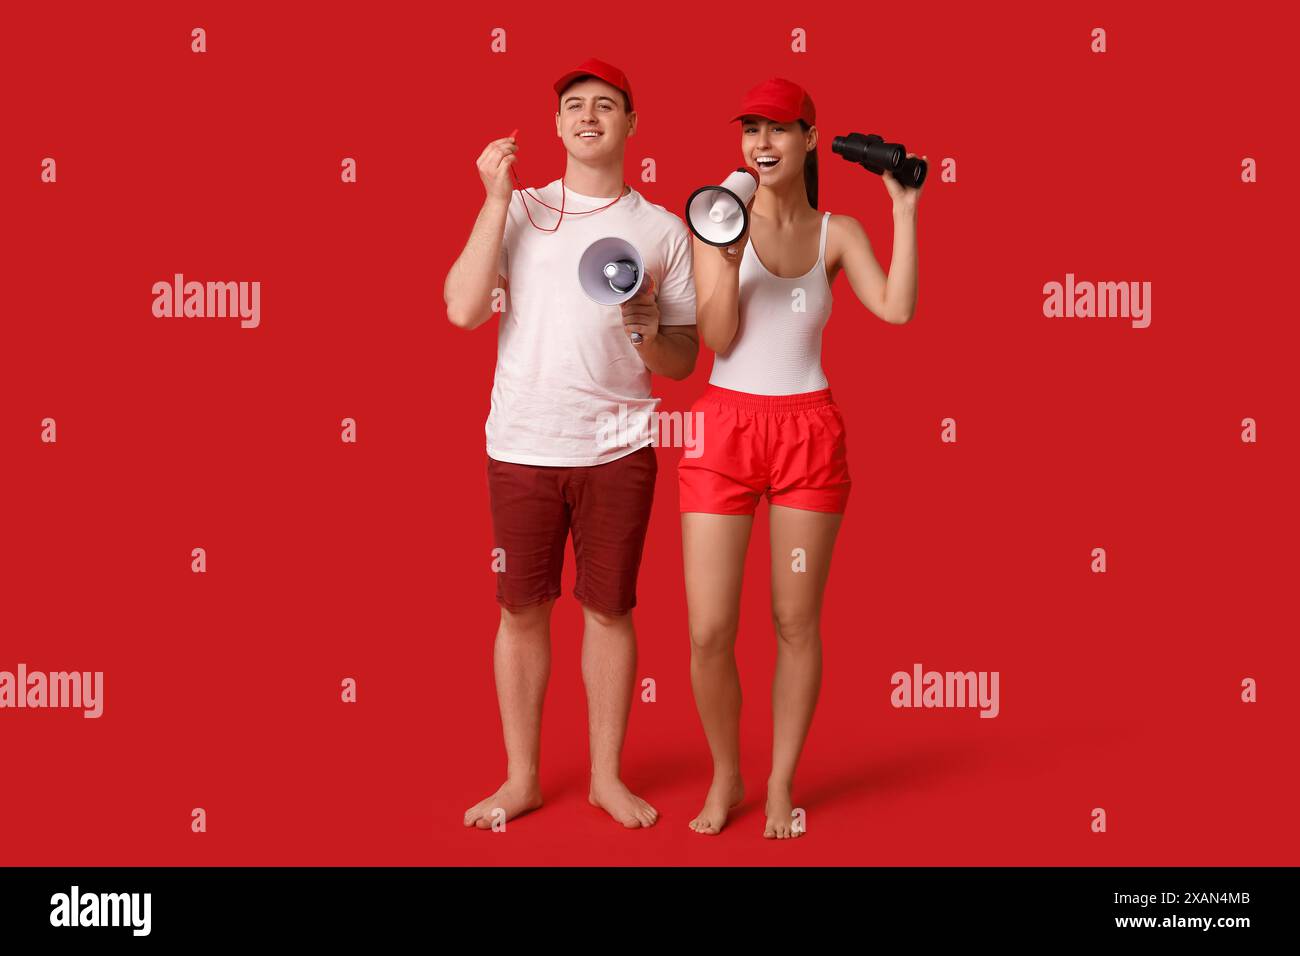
{"x": 725, "y": 792}
{"x": 779, "y": 810}
{"x": 514, "y": 798}
{"x": 612, "y": 796}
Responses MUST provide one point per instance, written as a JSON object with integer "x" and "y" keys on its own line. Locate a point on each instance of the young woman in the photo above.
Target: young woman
{"x": 770, "y": 427}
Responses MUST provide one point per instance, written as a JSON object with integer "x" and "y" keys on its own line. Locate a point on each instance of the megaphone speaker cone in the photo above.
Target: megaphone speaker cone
{"x": 611, "y": 271}
{"x": 717, "y": 214}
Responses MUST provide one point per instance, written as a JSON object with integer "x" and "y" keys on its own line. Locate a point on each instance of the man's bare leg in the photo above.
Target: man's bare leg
{"x": 521, "y": 659}
{"x": 609, "y": 673}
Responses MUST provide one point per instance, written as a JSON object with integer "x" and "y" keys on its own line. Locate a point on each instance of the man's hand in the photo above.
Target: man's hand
{"x": 641, "y": 313}
{"x": 494, "y": 167}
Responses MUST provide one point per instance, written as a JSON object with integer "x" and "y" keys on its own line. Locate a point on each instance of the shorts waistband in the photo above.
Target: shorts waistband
{"x": 768, "y": 403}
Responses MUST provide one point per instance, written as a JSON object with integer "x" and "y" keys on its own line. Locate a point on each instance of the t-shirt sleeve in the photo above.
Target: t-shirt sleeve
{"x": 677, "y": 290}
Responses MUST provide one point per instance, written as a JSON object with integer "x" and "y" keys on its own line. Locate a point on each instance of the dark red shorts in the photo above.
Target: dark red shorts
{"x": 790, "y": 448}
{"x": 607, "y": 507}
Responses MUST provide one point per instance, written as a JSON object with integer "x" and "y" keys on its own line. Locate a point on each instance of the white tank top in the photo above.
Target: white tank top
{"x": 777, "y": 350}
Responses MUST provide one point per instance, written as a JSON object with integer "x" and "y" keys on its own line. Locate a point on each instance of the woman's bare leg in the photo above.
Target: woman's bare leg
{"x": 713, "y": 553}
{"x": 798, "y": 583}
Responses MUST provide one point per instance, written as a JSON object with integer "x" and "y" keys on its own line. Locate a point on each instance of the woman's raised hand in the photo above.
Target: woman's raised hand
{"x": 905, "y": 197}
{"x": 732, "y": 254}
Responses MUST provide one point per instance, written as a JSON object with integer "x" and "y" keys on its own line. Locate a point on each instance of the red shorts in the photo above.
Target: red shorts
{"x": 789, "y": 447}
{"x": 607, "y": 507}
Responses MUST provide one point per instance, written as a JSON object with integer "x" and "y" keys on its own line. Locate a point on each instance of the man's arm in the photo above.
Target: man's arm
{"x": 671, "y": 351}
{"x": 666, "y": 349}
{"x": 474, "y": 275}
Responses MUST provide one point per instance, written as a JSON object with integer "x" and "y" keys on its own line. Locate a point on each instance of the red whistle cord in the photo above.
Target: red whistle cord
{"x": 561, "y": 210}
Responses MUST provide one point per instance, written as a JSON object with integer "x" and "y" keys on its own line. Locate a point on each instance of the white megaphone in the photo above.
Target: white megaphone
{"x": 610, "y": 272}
{"x": 717, "y": 214}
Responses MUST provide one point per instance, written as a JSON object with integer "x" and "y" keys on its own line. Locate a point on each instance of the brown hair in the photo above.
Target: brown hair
{"x": 810, "y": 170}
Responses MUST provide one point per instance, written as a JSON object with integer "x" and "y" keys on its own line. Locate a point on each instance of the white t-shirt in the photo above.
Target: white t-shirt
{"x": 570, "y": 387}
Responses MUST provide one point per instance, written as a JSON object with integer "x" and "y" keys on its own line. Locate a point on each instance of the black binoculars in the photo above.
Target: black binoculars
{"x": 873, "y": 153}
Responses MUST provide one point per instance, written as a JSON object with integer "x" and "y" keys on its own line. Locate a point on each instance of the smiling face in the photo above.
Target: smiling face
{"x": 776, "y": 150}
{"x": 593, "y": 121}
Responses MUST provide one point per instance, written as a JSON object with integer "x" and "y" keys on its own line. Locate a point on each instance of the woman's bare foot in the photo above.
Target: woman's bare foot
{"x": 725, "y": 793}
{"x": 780, "y": 810}
{"x": 514, "y": 798}
{"x": 613, "y": 796}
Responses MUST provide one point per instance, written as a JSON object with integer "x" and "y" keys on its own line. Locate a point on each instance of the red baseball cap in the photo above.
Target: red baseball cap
{"x": 598, "y": 68}
{"x": 780, "y": 100}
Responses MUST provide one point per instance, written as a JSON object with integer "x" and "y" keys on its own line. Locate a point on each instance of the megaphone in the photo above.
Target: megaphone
{"x": 871, "y": 152}
{"x": 717, "y": 214}
{"x": 610, "y": 272}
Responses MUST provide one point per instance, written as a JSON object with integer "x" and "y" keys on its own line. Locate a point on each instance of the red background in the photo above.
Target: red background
{"x": 326, "y": 560}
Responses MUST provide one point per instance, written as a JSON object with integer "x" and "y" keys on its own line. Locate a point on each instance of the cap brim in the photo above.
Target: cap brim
{"x": 565, "y": 80}
{"x": 768, "y": 112}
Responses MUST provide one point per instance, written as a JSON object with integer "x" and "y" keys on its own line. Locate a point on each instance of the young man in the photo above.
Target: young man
{"x": 567, "y": 368}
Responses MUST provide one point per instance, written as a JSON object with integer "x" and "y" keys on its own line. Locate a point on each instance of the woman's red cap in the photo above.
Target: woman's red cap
{"x": 780, "y": 100}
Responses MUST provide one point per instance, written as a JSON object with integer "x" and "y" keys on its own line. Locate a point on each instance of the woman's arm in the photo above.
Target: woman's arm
{"x": 892, "y": 297}
{"x": 717, "y": 292}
